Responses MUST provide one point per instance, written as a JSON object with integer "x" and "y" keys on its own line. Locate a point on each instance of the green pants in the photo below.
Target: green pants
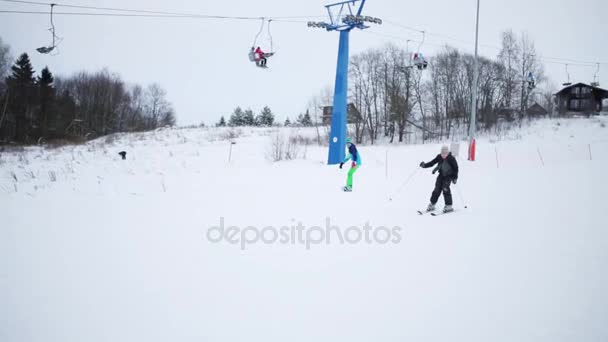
{"x": 349, "y": 179}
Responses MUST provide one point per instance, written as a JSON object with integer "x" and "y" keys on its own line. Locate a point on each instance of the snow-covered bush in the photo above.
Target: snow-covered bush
{"x": 232, "y": 133}
{"x": 283, "y": 148}
{"x": 276, "y": 147}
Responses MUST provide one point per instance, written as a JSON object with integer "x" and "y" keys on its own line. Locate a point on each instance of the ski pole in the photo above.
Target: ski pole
{"x": 460, "y": 195}
{"x": 402, "y": 186}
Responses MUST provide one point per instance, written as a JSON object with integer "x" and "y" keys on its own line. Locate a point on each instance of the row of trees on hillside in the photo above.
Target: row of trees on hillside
{"x": 394, "y": 98}
{"x": 240, "y": 117}
{"x": 83, "y": 105}
{"x": 265, "y": 118}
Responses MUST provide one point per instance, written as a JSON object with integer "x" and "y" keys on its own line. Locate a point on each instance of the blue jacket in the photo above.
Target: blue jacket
{"x": 353, "y": 154}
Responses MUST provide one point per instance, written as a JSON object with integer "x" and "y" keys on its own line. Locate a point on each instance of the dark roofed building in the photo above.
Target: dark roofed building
{"x": 536, "y": 110}
{"x": 352, "y": 114}
{"x": 580, "y": 98}
{"x": 506, "y": 113}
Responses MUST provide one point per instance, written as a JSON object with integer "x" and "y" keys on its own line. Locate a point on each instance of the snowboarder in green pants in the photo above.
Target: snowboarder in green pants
{"x": 353, "y": 155}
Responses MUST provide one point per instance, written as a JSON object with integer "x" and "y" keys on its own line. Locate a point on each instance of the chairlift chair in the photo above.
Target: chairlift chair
{"x": 260, "y": 60}
{"x": 53, "y": 46}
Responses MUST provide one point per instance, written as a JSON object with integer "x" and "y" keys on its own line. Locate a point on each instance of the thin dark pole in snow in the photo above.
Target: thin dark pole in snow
{"x": 230, "y": 152}
{"x": 590, "y": 156}
{"x": 386, "y": 165}
{"x": 541, "y": 157}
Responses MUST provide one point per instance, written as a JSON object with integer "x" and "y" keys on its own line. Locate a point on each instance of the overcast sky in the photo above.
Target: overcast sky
{"x": 203, "y": 64}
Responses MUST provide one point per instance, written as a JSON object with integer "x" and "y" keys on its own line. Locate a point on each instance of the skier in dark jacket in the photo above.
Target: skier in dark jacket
{"x": 448, "y": 173}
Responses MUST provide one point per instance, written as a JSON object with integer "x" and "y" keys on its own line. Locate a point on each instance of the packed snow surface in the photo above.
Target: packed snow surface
{"x": 95, "y": 248}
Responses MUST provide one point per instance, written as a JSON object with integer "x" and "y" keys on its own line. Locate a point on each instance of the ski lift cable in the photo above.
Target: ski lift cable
{"x": 145, "y": 16}
{"x": 177, "y": 14}
{"x": 399, "y": 38}
{"x": 441, "y": 35}
{"x": 402, "y": 26}
{"x": 164, "y": 14}
{"x": 483, "y": 45}
{"x": 547, "y": 59}
{"x": 569, "y": 64}
{"x": 554, "y": 60}
{"x": 573, "y": 61}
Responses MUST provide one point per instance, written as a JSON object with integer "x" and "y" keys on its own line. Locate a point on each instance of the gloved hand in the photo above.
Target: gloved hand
{"x": 341, "y": 164}
{"x": 454, "y": 180}
{"x": 354, "y": 164}
{"x": 435, "y": 171}
{"x": 421, "y": 164}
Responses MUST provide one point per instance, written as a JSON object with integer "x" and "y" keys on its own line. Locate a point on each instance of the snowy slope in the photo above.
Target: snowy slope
{"x": 93, "y": 248}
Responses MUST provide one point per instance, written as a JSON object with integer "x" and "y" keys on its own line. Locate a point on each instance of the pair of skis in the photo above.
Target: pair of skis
{"x": 434, "y": 213}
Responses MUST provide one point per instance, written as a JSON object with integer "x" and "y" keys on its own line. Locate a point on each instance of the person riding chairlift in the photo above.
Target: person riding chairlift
{"x": 419, "y": 61}
{"x": 531, "y": 81}
{"x": 260, "y": 57}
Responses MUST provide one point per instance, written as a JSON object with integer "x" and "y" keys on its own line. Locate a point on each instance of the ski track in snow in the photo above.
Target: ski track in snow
{"x": 93, "y": 248}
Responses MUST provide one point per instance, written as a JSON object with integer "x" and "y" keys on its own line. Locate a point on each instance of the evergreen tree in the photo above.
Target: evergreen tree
{"x": 83, "y": 105}
{"x": 287, "y": 122}
{"x": 46, "y": 95}
{"x": 21, "y": 85}
{"x": 266, "y": 118}
{"x": 222, "y": 122}
{"x": 66, "y": 112}
{"x": 305, "y": 120}
{"x": 248, "y": 118}
{"x": 236, "y": 119}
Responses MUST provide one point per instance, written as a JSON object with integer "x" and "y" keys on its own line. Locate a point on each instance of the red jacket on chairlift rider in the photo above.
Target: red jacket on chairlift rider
{"x": 259, "y": 54}
{"x": 418, "y": 58}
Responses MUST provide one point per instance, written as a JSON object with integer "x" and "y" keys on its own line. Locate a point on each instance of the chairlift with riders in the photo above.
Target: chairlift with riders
{"x": 418, "y": 58}
{"x": 256, "y": 54}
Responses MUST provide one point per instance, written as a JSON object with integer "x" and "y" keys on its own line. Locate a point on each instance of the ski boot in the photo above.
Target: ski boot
{"x": 430, "y": 208}
{"x": 447, "y": 209}
{"x": 348, "y": 189}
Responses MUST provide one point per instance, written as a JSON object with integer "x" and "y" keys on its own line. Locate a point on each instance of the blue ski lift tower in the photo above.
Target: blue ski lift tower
{"x": 343, "y": 17}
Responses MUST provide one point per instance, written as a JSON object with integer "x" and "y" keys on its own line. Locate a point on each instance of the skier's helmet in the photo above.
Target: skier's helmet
{"x": 349, "y": 140}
